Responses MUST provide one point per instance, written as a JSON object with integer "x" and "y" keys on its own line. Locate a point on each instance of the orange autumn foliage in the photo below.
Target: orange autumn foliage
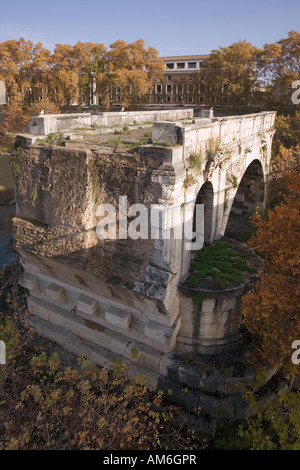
{"x": 271, "y": 311}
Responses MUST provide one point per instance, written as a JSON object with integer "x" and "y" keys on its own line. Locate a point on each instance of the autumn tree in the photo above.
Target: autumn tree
{"x": 271, "y": 310}
{"x": 278, "y": 67}
{"x": 287, "y": 131}
{"x": 132, "y": 68}
{"x": 71, "y": 70}
{"x": 24, "y": 67}
{"x": 14, "y": 57}
{"x": 92, "y": 62}
{"x": 230, "y": 71}
{"x": 32, "y": 74}
{"x": 285, "y": 156}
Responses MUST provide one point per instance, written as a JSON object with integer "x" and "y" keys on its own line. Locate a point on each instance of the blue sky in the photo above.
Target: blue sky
{"x": 173, "y": 27}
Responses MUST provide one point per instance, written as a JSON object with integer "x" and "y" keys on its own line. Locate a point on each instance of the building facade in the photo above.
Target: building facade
{"x": 183, "y": 82}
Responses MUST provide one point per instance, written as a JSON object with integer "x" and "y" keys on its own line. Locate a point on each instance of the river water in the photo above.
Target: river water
{"x": 7, "y": 208}
{"x": 7, "y": 212}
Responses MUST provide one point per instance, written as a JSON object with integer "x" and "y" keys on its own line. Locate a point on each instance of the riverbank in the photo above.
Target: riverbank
{"x": 7, "y": 207}
{"x": 7, "y": 212}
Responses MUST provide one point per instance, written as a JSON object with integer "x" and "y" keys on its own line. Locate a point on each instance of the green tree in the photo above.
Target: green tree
{"x": 276, "y": 425}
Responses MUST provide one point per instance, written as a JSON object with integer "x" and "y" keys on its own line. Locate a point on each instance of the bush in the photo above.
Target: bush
{"x": 46, "y": 105}
{"x": 44, "y": 406}
{"x": 47, "y": 406}
{"x": 12, "y": 119}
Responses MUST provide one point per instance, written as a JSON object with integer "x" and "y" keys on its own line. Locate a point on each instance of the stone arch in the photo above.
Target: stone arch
{"x": 205, "y": 196}
{"x": 248, "y": 197}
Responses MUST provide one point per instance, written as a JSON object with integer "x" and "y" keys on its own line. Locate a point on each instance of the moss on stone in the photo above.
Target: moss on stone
{"x": 221, "y": 262}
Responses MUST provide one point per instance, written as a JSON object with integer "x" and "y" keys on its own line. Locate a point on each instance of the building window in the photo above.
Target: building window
{"x": 179, "y": 89}
{"x": 190, "y": 89}
{"x": 200, "y": 64}
{"x": 202, "y": 99}
{"x": 158, "y": 99}
{"x": 201, "y": 88}
{"x": 178, "y": 99}
{"x": 180, "y": 65}
{"x": 158, "y": 89}
{"x": 170, "y": 66}
{"x": 128, "y": 89}
{"x": 168, "y": 99}
{"x": 192, "y": 65}
{"x": 169, "y": 78}
{"x": 190, "y": 99}
{"x": 169, "y": 89}
{"x": 191, "y": 78}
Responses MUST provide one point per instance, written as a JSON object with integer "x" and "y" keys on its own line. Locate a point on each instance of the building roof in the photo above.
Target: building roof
{"x": 185, "y": 57}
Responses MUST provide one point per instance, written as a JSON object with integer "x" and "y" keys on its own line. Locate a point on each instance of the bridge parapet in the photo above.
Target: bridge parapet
{"x": 228, "y": 131}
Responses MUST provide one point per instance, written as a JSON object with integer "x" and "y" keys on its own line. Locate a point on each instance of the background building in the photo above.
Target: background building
{"x": 183, "y": 82}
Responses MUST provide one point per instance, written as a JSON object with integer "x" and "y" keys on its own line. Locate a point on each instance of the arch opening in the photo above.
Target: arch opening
{"x": 249, "y": 197}
{"x": 206, "y": 197}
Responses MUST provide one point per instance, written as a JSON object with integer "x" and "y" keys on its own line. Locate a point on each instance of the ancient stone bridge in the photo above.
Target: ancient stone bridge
{"x": 104, "y": 297}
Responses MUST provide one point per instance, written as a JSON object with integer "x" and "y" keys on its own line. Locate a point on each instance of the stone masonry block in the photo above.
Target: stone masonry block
{"x": 226, "y": 304}
{"x": 31, "y": 304}
{"x": 118, "y": 317}
{"x": 148, "y": 356}
{"x": 161, "y": 333}
{"x": 53, "y": 332}
{"x": 169, "y": 367}
{"x": 208, "y": 305}
{"x": 157, "y": 276}
{"x": 42, "y": 311}
{"x": 158, "y": 332}
{"x": 87, "y": 304}
{"x": 118, "y": 344}
{"x": 229, "y": 304}
{"x": 165, "y": 132}
{"x": 56, "y": 293}
{"x": 30, "y": 282}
